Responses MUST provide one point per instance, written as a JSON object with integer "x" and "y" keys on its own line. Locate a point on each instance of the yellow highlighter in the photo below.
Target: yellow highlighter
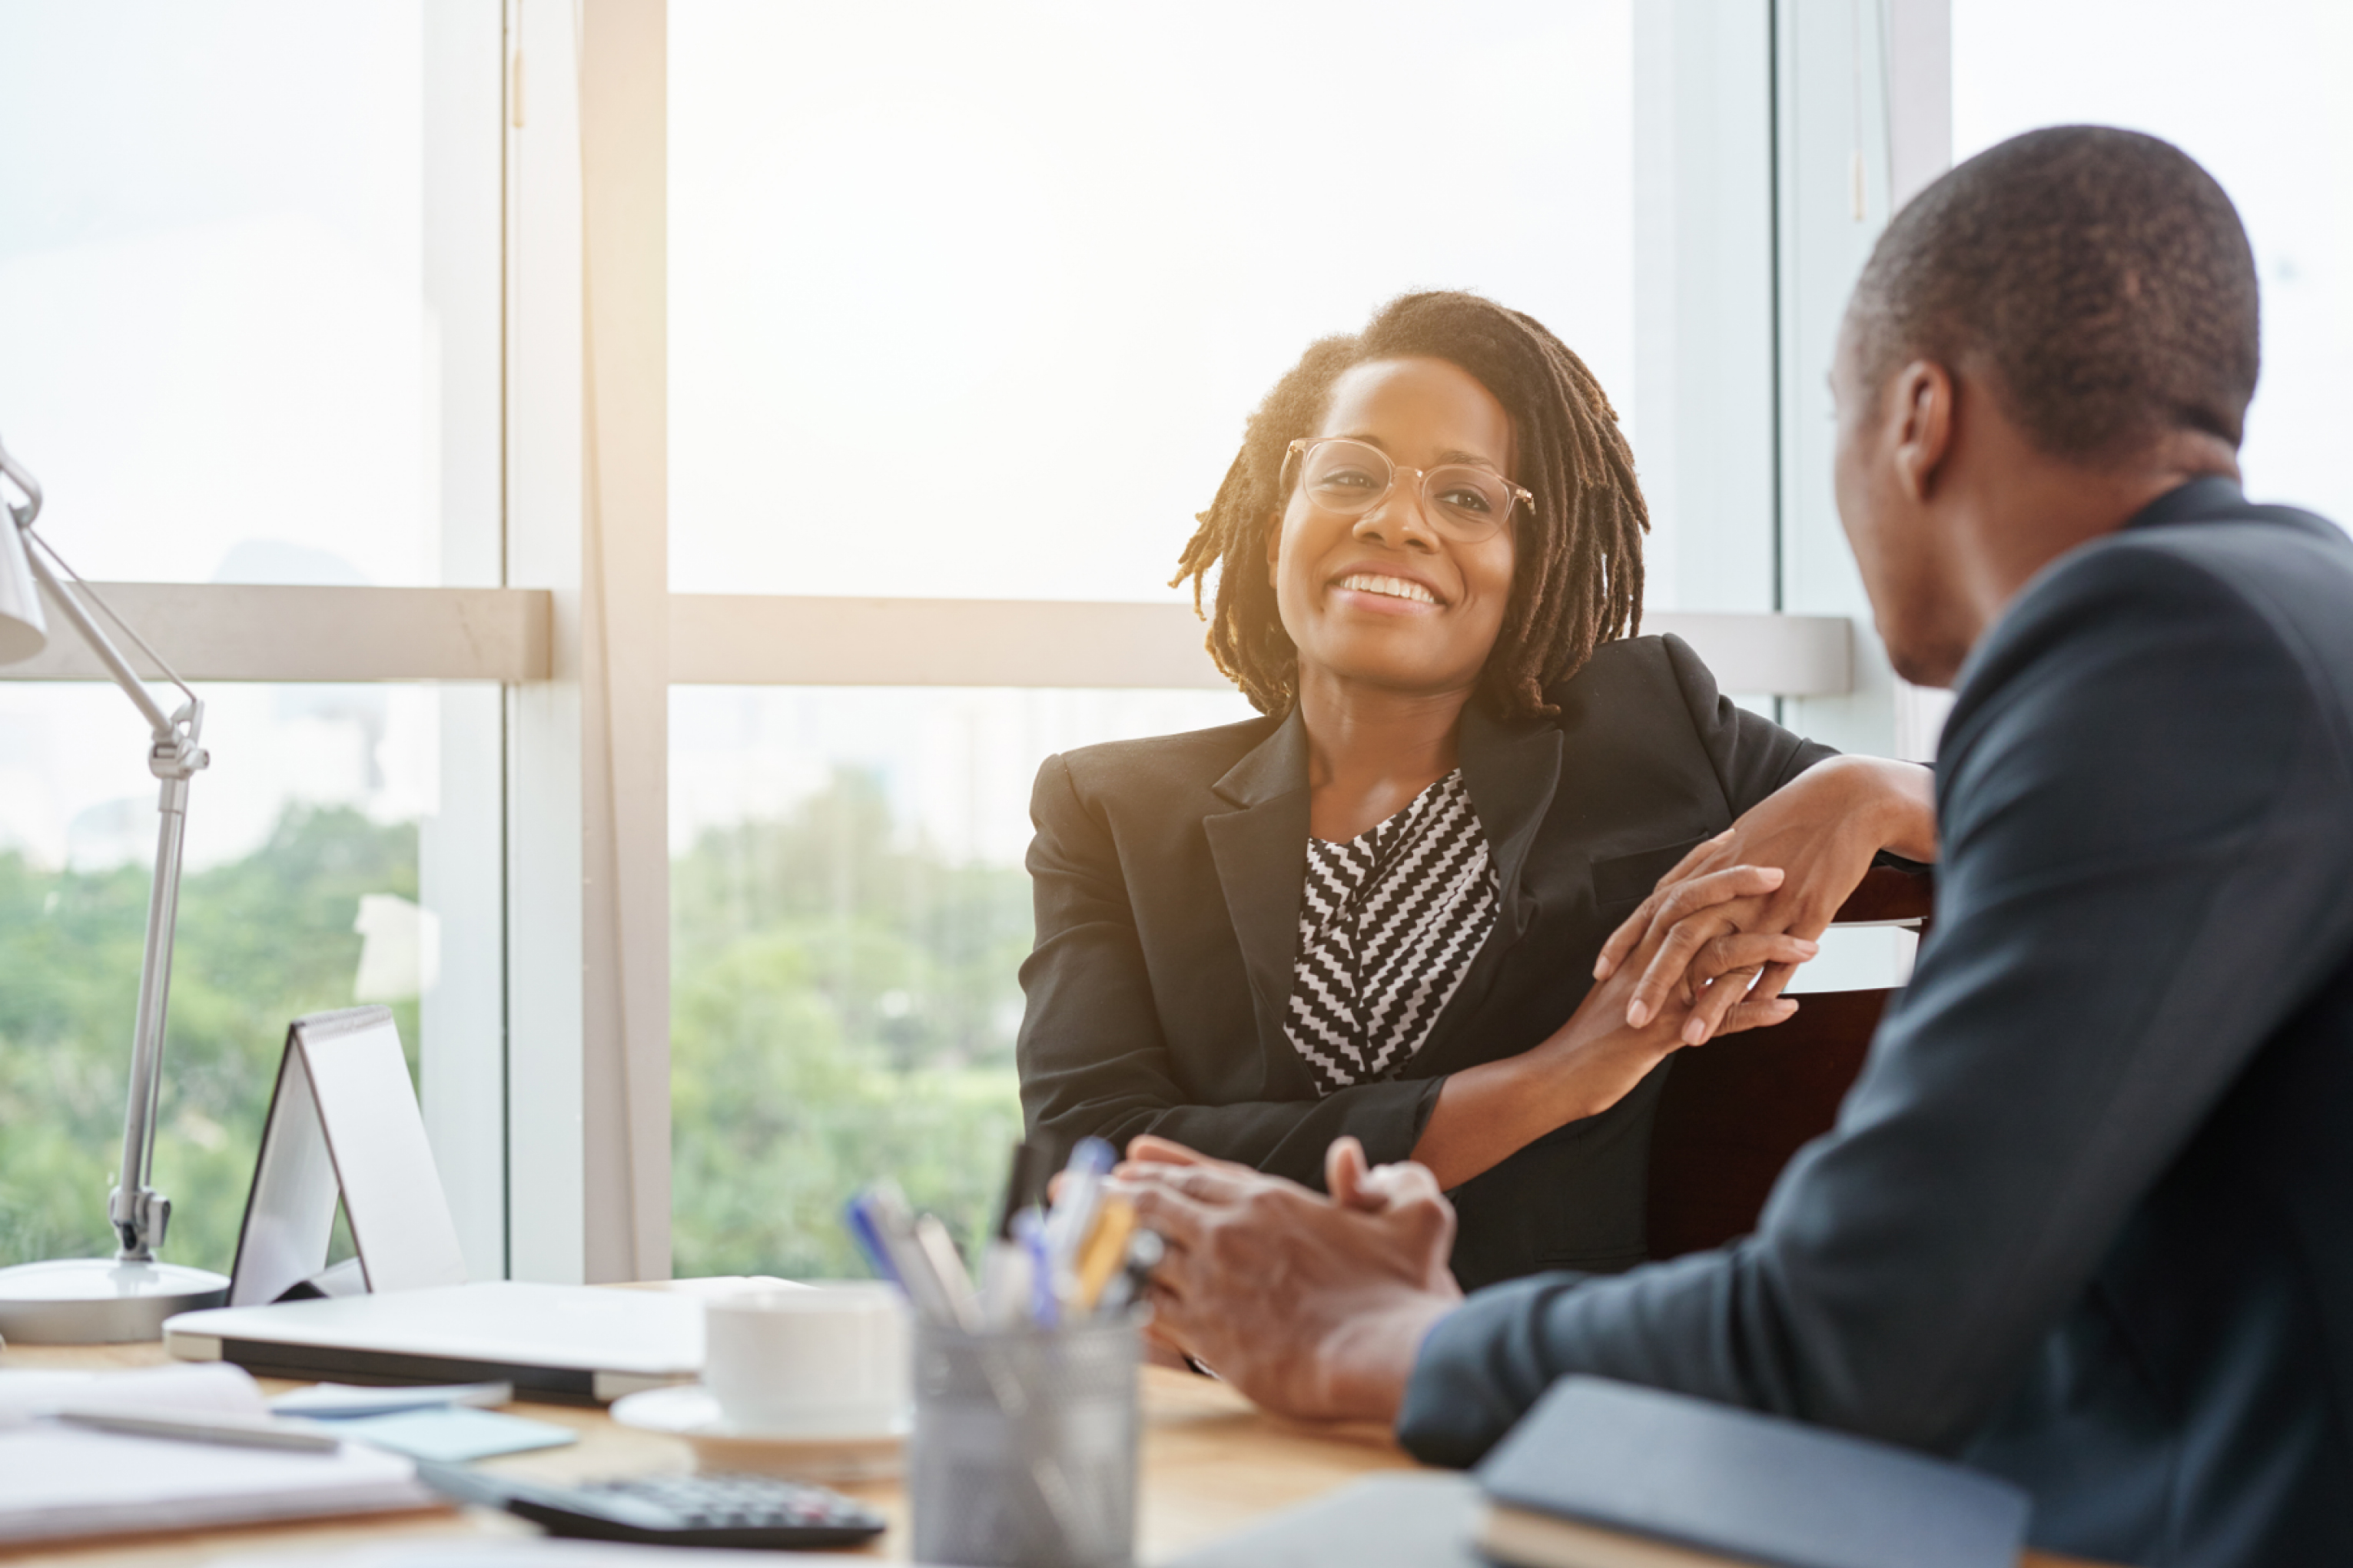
{"x": 1100, "y": 1253}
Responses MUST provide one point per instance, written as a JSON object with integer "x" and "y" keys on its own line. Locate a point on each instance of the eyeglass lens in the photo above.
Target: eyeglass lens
{"x": 1350, "y": 478}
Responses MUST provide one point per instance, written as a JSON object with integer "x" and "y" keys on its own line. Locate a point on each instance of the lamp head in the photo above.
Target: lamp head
{"x": 23, "y": 630}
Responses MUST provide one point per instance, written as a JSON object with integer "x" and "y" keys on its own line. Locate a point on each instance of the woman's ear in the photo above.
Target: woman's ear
{"x": 1273, "y": 544}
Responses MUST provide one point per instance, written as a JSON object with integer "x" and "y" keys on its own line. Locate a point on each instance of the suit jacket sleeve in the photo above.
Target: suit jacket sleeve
{"x": 2142, "y": 804}
{"x": 1752, "y": 755}
{"x": 1094, "y": 1060}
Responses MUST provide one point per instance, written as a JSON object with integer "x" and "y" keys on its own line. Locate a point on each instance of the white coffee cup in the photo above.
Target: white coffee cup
{"x": 828, "y": 1361}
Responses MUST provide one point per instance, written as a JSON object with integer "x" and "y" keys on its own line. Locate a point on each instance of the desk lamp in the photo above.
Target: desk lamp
{"x": 98, "y": 1300}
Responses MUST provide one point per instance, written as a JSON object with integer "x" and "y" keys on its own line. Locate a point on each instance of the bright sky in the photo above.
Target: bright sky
{"x": 964, "y": 301}
{"x": 2255, "y": 92}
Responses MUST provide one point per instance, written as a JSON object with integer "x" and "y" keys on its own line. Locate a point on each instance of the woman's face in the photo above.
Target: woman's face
{"x": 1385, "y": 599}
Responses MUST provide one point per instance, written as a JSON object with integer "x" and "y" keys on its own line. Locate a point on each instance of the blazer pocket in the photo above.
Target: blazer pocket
{"x": 1624, "y": 880}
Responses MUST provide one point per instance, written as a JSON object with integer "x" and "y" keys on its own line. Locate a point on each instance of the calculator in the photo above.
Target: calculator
{"x": 672, "y": 1510}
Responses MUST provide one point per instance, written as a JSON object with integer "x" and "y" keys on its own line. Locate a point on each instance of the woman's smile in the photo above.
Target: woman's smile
{"x": 1387, "y": 594}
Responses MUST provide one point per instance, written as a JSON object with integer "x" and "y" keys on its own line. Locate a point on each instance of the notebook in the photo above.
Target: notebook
{"x": 1607, "y": 1475}
{"x": 57, "y": 1481}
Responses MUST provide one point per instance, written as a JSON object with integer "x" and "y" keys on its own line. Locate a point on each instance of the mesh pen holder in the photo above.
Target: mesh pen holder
{"x": 1024, "y": 1451}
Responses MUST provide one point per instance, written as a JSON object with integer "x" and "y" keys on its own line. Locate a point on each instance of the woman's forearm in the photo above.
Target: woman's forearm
{"x": 1903, "y": 797}
{"x": 1487, "y": 1113}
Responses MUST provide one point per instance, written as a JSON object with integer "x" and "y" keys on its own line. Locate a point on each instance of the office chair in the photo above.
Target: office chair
{"x": 1734, "y": 1110}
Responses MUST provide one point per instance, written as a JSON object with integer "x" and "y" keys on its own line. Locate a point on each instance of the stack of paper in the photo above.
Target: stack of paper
{"x": 57, "y": 1480}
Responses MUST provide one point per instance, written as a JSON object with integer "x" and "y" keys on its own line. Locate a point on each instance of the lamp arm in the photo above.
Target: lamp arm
{"x": 96, "y": 638}
{"x": 140, "y": 1215}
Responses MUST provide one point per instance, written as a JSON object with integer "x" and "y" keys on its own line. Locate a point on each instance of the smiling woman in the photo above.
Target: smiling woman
{"x": 1375, "y": 909}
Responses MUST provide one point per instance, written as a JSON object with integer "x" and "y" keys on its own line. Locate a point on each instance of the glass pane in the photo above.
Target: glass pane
{"x": 973, "y": 300}
{"x": 301, "y": 894}
{"x": 249, "y": 281}
{"x": 847, "y": 909}
{"x": 2018, "y": 64}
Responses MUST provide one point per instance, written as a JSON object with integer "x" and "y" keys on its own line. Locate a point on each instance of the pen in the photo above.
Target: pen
{"x": 881, "y": 1212}
{"x": 1045, "y": 1309}
{"x": 228, "y": 1431}
{"x": 1075, "y": 1211}
{"x": 860, "y": 1222}
{"x": 947, "y": 1265}
{"x": 1004, "y": 1285}
{"x": 1104, "y": 1250}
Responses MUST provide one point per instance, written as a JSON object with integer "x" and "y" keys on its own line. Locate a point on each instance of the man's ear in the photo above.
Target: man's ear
{"x": 1920, "y": 406}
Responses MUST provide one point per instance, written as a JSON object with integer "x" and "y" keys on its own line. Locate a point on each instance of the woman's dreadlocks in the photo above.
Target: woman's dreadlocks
{"x": 1579, "y": 580}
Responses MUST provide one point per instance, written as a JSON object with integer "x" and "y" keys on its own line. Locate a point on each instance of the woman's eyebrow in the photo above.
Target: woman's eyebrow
{"x": 1473, "y": 459}
{"x": 1451, "y": 455}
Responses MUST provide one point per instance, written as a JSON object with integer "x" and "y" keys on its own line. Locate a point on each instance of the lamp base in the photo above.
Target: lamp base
{"x": 99, "y": 1300}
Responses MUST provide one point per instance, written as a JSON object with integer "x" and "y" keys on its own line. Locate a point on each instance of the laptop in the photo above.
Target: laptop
{"x": 568, "y": 1344}
{"x": 344, "y": 1126}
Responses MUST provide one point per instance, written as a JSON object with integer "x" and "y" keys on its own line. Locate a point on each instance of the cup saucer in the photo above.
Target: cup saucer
{"x": 688, "y": 1410}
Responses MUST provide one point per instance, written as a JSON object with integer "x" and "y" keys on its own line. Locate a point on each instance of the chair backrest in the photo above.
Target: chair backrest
{"x": 1736, "y": 1110}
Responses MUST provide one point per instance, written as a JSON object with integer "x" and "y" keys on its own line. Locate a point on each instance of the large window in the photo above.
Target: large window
{"x": 2259, "y": 102}
{"x": 249, "y": 333}
{"x": 302, "y": 893}
{"x": 972, "y": 304}
{"x": 971, "y": 300}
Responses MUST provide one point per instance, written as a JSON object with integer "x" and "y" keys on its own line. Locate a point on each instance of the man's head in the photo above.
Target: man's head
{"x": 2053, "y": 334}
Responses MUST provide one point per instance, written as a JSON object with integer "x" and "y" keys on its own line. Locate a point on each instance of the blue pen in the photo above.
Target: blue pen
{"x": 858, "y": 1215}
{"x": 1045, "y": 1307}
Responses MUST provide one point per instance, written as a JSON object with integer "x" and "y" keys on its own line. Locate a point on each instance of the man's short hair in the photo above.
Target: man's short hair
{"x": 2101, "y": 274}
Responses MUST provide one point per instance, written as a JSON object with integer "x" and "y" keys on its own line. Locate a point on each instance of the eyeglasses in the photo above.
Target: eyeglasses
{"x": 1351, "y": 477}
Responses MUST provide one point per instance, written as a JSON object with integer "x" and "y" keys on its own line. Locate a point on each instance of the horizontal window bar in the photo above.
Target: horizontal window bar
{"x": 214, "y": 631}
{"x": 746, "y": 639}
{"x": 237, "y": 631}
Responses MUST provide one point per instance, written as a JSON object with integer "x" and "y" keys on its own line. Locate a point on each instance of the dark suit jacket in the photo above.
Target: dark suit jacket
{"x": 2086, "y": 1218}
{"x": 1167, "y": 876}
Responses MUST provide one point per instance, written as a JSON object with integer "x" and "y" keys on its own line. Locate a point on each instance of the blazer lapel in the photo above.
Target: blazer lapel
{"x": 1512, "y": 772}
{"x": 1261, "y": 850}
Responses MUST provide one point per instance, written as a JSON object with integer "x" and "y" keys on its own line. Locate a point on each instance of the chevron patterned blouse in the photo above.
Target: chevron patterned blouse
{"x": 1388, "y": 924}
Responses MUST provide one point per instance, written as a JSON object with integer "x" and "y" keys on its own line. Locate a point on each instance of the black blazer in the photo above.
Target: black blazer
{"x": 2086, "y": 1219}
{"x": 1168, "y": 874}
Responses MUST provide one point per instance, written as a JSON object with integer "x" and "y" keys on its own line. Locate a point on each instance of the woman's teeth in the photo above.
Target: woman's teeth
{"x": 1394, "y": 587}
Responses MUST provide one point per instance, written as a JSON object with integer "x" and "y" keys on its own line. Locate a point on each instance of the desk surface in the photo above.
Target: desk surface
{"x": 1211, "y": 1463}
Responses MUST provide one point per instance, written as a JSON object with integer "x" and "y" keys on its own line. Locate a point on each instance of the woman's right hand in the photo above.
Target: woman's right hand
{"x": 1485, "y": 1114}
{"x": 1596, "y": 1058}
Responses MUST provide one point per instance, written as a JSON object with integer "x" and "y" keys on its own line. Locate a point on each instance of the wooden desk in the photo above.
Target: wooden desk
{"x": 1211, "y": 1463}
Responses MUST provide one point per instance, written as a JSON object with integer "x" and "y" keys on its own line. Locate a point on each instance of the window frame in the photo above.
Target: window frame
{"x": 561, "y": 1125}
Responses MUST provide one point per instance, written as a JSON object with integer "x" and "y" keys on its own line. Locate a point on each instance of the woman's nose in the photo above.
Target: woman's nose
{"x": 1399, "y": 519}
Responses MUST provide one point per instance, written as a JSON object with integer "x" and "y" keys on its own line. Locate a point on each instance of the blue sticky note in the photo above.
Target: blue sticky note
{"x": 455, "y": 1435}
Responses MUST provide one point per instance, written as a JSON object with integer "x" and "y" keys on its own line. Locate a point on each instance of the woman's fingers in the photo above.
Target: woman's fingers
{"x": 1636, "y": 926}
{"x": 1694, "y": 914}
{"x": 1752, "y": 950}
{"x": 1752, "y": 1014}
{"x": 1734, "y": 967}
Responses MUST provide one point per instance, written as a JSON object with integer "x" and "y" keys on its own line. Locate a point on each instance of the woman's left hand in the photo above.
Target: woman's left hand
{"x": 1821, "y": 832}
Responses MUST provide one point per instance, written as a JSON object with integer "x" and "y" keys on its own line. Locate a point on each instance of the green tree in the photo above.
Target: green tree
{"x": 842, "y": 1004}
{"x": 261, "y": 941}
